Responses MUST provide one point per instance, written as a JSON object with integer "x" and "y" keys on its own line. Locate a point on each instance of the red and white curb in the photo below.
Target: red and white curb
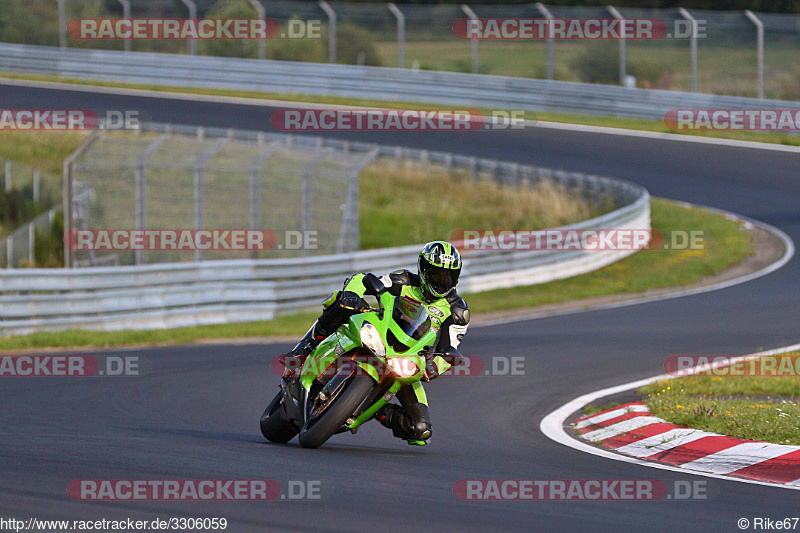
{"x": 722, "y": 457}
{"x": 631, "y": 430}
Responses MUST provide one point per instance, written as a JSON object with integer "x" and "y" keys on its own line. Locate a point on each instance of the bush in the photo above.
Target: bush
{"x": 17, "y": 207}
{"x": 26, "y": 22}
{"x": 598, "y": 63}
{"x": 350, "y": 40}
{"x": 311, "y": 50}
{"x": 236, "y": 9}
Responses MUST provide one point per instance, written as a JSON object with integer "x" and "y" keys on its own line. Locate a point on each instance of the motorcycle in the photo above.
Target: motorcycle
{"x": 352, "y": 373}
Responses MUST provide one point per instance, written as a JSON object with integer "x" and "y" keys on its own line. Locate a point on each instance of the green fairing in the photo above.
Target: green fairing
{"x": 348, "y": 337}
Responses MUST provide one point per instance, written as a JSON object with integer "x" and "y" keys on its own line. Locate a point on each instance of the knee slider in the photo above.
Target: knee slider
{"x": 422, "y": 430}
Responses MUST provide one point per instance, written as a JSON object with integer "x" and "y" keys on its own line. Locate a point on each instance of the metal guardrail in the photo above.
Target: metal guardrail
{"x": 445, "y": 88}
{"x": 207, "y": 292}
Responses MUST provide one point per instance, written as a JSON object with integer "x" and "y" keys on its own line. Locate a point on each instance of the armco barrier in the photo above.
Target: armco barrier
{"x": 377, "y": 83}
{"x": 209, "y": 292}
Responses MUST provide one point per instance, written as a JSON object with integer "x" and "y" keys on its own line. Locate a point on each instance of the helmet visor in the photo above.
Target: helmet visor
{"x": 440, "y": 280}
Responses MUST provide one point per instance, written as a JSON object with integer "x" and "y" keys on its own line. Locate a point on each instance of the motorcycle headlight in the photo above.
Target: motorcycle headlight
{"x": 372, "y": 339}
{"x": 402, "y": 367}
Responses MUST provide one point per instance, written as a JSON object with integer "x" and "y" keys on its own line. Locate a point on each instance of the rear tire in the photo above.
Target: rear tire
{"x": 274, "y": 425}
{"x": 338, "y": 412}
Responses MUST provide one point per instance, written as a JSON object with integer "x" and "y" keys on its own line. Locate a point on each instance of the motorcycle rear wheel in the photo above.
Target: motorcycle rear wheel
{"x": 274, "y": 425}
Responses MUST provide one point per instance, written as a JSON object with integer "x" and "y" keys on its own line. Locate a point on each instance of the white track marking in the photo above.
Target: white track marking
{"x": 553, "y": 424}
{"x": 666, "y": 136}
{"x": 621, "y": 427}
{"x": 602, "y": 417}
{"x": 738, "y": 457}
{"x": 663, "y": 442}
{"x": 788, "y": 253}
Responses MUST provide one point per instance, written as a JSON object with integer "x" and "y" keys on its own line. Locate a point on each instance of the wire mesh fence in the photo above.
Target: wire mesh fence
{"x": 420, "y": 36}
{"x": 28, "y": 194}
{"x": 299, "y": 198}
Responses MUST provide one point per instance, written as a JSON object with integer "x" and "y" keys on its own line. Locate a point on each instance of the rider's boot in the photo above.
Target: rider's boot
{"x": 394, "y": 417}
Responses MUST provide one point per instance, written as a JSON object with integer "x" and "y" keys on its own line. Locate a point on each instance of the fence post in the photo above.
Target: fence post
{"x": 685, "y": 14}
{"x": 36, "y": 185}
{"x": 759, "y": 50}
{"x": 331, "y": 30}
{"x": 262, "y": 14}
{"x": 349, "y": 227}
{"x": 255, "y": 199}
{"x": 7, "y": 170}
{"x": 471, "y": 14}
{"x": 401, "y": 34}
{"x": 67, "y": 193}
{"x": 199, "y": 219}
{"x": 31, "y": 245}
{"x": 307, "y": 206}
{"x": 191, "y": 43}
{"x": 550, "y": 43}
{"x": 126, "y": 13}
{"x": 140, "y": 190}
{"x": 622, "y": 45}
{"x": 62, "y": 24}
{"x": 9, "y": 252}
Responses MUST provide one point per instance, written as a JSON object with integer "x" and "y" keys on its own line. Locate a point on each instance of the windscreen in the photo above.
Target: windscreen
{"x": 412, "y": 317}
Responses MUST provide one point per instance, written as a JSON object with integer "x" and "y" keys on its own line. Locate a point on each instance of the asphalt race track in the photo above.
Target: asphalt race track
{"x": 195, "y": 415}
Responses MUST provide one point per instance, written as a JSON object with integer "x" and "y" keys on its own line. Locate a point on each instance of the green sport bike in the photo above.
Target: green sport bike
{"x": 353, "y": 372}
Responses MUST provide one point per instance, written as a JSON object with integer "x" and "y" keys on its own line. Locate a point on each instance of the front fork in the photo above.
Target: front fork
{"x": 296, "y": 394}
{"x": 370, "y": 412}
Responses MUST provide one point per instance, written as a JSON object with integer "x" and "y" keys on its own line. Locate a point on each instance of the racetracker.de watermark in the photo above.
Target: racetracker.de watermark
{"x": 733, "y": 119}
{"x": 394, "y": 120}
{"x": 644, "y": 490}
{"x": 67, "y": 119}
{"x": 772, "y": 366}
{"x": 573, "y": 239}
{"x": 471, "y": 366}
{"x": 171, "y": 29}
{"x": 73, "y": 366}
{"x": 190, "y": 239}
{"x": 193, "y": 489}
{"x": 567, "y": 29}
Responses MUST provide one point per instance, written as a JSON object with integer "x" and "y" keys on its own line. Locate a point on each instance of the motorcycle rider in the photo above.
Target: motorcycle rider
{"x": 438, "y": 269}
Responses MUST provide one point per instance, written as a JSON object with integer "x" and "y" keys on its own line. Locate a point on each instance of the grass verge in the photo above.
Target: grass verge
{"x": 610, "y": 122}
{"x": 759, "y": 405}
{"x": 45, "y": 150}
{"x": 394, "y": 200}
{"x": 726, "y": 245}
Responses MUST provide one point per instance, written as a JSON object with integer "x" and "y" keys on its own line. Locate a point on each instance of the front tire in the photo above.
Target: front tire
{"x": 335, "y": 416}
{"x": 274, "y": 425}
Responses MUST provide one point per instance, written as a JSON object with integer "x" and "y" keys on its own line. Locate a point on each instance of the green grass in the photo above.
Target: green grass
{"x": 764, "y": 376}
{"x": 45, "y": 150}
{"x": 729, "y": 70}
{"x": 291, "y": 325}
{"x": 393, "y": 202}
{"x": 610, "y": 122}
{"x": 727, "y": 244}
{"x": 760, "y": 407}
{"x": 594, "y": 409}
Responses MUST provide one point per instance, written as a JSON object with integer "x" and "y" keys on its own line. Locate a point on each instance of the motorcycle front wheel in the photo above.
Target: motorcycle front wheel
{"x": 321, "y": 427}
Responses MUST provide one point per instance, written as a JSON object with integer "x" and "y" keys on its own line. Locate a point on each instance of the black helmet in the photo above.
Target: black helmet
{"x": 439, "y": 266}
